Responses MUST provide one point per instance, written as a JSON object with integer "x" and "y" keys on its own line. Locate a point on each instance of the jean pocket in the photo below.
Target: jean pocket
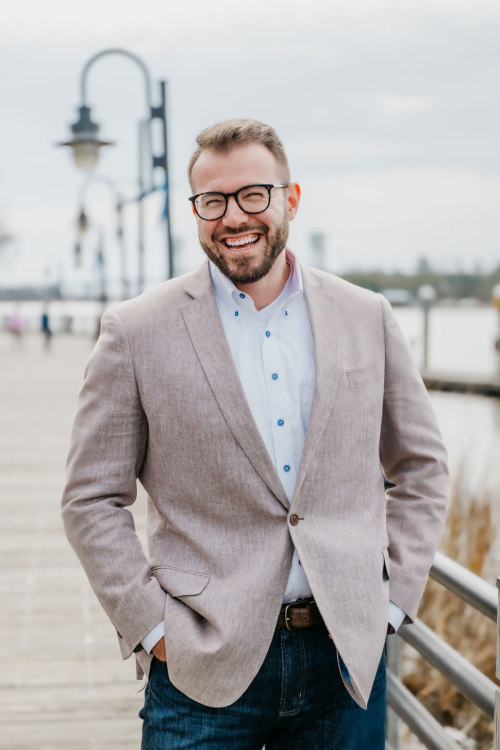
{"x": 160, "y": 667}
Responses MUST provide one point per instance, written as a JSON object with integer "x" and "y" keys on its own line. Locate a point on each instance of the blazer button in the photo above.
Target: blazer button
{"x": 294, "y": 519}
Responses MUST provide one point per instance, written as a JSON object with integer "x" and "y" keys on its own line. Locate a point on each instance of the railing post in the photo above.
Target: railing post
{"x": 496, "y": 744}
{"x": 393, "y": 657}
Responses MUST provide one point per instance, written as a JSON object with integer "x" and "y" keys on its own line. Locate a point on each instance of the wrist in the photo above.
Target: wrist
{"x": 153, "y": 637}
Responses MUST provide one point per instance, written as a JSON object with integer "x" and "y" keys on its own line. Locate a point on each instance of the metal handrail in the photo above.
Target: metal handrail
{"x": 472, "y": 683}
{"x": 468, "y": 586}
{"x": 421, "y": 722}
{"x": 461, "y": 673}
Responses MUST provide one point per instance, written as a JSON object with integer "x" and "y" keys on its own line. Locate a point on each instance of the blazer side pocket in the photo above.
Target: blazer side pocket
{"x": 366, "y": 374}
{"x": 179, "y": 582}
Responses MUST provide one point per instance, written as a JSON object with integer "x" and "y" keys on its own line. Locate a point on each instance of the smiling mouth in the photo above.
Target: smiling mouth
{"x": 241, "y": 243}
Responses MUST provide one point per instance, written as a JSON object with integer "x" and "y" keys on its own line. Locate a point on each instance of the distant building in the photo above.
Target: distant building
{"x": 26, "y": 294}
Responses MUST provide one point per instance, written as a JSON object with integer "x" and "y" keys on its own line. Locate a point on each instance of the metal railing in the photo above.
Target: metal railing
{"x": 472, "y": 683}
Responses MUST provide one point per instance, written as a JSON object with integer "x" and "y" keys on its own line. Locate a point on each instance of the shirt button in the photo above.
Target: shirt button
{"x": 268, "y": 334}
{"x": 274, "y": 376}
{"x": 286, "y": 467}
{"x": 236, "y": 313}
{"x": 242, "y": 296}
{"x": 294, "y": 519}
{"x": 280, "y": 422}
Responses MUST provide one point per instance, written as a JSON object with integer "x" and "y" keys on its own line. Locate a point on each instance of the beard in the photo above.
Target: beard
{"x": 248, "y": 270}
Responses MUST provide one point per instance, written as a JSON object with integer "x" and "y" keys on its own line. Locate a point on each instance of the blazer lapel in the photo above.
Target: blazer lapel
{"x": 210, "y": 342}
{"x": 328, "y": 369}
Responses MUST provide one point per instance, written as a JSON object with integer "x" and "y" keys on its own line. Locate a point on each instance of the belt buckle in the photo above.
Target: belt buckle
{"x": 288, "y": 618}
{"x": 293, "y": 604}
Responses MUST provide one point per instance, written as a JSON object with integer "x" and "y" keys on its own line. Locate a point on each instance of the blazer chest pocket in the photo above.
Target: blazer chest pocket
{"x": 180, "y": 582}
{"x": 366, "y": 374}
{"x": 387, "y": 564}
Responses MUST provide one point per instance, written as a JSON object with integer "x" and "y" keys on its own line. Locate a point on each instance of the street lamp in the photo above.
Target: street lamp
{"x": 83, "y": 222}
{"x": 86, "y": 144}
{"x": 427, "y": 295}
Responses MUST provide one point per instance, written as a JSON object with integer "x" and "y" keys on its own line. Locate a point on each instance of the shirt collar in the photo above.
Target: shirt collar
{"x": 226, "y": 291}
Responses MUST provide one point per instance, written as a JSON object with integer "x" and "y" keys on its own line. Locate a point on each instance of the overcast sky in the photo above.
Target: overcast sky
{"x": 389, "y": 110}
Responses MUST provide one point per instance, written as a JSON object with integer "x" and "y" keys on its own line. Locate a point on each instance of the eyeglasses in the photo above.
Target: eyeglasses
{"x": 252, "y": 199}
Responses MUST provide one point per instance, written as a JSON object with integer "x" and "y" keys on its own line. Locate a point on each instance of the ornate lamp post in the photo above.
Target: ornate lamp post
{"x": 86, "y": 144}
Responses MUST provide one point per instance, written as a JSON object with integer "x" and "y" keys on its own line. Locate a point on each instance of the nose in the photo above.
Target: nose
{"x": 234, "y": 216}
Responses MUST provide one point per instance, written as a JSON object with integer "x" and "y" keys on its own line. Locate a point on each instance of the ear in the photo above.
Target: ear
{"x": 293, "y": 199}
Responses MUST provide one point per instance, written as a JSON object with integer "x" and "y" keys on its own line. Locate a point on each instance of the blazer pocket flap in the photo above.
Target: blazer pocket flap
{"x": 387, "y": 562}
{"x": 366, "y": 374}
{"x": 179, "y": 582}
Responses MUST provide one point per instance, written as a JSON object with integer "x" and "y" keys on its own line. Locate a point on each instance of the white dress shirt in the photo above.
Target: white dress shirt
{"x": 273, "y": 350}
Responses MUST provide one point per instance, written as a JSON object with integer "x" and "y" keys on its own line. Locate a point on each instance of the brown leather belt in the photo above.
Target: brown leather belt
{"x": 297, "y": 615}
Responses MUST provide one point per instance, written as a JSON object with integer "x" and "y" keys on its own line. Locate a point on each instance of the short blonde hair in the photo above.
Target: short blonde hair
{"x": 224, "y": 136}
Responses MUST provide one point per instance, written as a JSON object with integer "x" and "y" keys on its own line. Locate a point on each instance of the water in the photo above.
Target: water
{"x": 462, "y": 342}
{"x": 461, "y": 339}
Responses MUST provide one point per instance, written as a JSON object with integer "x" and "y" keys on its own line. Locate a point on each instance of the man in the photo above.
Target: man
{"x": 259, "y": 403}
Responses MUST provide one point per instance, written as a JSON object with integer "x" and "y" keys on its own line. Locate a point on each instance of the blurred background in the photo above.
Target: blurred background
{"x": 390, "y": 115}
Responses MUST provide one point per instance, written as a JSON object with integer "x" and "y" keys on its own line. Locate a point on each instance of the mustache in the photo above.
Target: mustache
{"x": 246, "y": 229}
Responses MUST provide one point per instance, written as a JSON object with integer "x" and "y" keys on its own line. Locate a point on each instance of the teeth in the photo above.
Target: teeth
{"x": 243, "y": 241}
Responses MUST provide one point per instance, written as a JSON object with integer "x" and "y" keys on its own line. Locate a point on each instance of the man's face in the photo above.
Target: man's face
{"x": 261, "y": 237}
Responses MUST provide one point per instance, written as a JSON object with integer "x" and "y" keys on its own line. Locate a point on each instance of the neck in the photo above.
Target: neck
{"x": 266, "y": 290}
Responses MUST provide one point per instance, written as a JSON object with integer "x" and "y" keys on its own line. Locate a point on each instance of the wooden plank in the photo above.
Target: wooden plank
{"x": 63, "y": 683}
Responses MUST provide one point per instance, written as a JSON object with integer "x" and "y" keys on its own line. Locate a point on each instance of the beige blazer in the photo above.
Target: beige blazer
{"x": 162, "y": 402}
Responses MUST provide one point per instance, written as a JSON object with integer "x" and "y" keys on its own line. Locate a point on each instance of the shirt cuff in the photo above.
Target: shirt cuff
{"x": 395, "y": 617}
{"x": 151, "y": 639}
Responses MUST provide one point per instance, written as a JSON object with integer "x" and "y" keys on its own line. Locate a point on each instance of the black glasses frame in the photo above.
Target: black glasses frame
{"x": 226, "y": 197}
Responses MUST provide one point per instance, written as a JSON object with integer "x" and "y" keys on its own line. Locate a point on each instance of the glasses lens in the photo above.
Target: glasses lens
{"x": 211, "y": 205}
{"x": 253, "y": 199}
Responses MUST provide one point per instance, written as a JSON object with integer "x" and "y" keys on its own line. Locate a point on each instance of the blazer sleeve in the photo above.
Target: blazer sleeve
{"x": 414, "y": 459}
{"x": 107, "y": 450}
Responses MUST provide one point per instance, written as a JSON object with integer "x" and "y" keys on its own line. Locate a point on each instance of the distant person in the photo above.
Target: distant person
{"x": 16, "y": 325}
{"x": 259, "y": 402}
{"x": 46, "y": 329}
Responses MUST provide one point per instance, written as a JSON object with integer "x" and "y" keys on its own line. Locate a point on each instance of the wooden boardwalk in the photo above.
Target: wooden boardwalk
{"x": 63, "y": 684}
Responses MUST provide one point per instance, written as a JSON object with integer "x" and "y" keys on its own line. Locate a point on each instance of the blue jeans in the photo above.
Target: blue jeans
{"x": 296, "y": 701}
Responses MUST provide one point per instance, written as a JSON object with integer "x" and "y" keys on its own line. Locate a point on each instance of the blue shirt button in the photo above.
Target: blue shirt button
{"x": 242, "y": 296}
{"x": 274, "y": 376}
{"x": 236, "y": 313}
{"x": 286, "y": 467}
{"x": 268, "y": 334}
{"x": 280, "y": 422}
